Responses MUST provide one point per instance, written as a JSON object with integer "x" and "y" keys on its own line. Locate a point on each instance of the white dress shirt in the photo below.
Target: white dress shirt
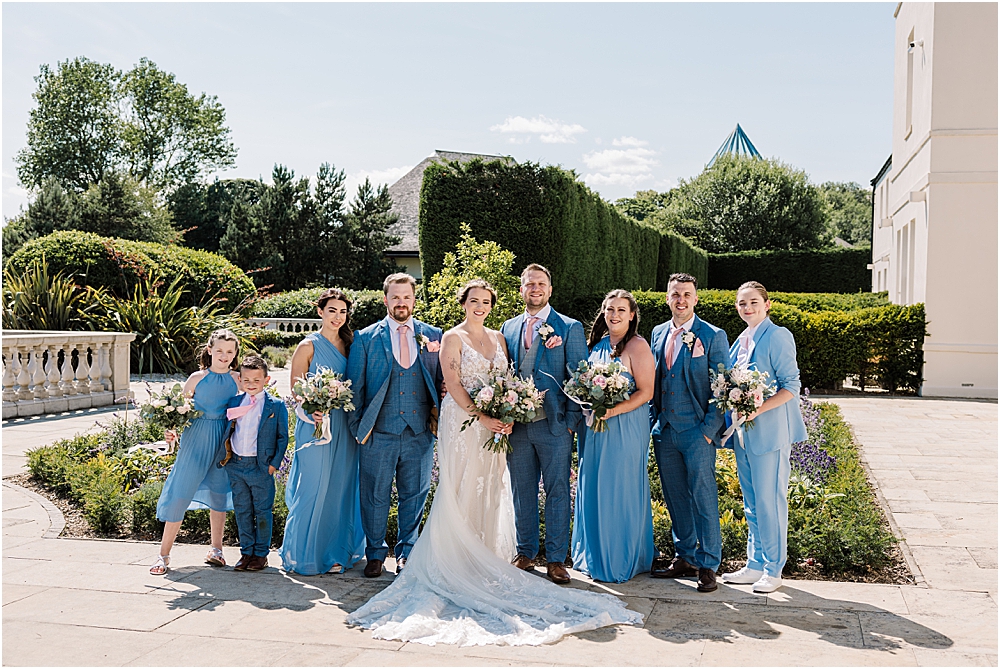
{"x": 394, "y": 337}
{"x": 244, "y": 439}
{"x": 746, "y": 340}
{"x": 542, "y": 316}
{"x": 677, "y": 344}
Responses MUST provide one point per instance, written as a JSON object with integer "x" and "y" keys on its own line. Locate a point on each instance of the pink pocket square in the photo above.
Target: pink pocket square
{"x": 433, "y": 346}
{"x": 699, "y": 349}
{"x": 553, "y": 341}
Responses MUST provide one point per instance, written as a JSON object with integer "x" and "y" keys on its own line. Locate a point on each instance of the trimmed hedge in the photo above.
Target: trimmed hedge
{"x": 811, "y": 271}
{"x": 120, "y": 264}
{"x": 677, "y": 254}
{"x": 368, "y": 305}
{"x": 543, "y": 215}
{"x": 872, "y": 343}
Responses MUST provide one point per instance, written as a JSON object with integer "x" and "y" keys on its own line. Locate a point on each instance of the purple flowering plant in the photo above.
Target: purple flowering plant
{"x": 809, "y": 458}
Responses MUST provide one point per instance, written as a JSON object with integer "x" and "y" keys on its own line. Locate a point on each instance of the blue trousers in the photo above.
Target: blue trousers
{"x": 409, "y": 458}
{"x": 537, "y": 454}
{"x": 764, "y": 482}
{"x": 687, "y": 474}
{"x": 253, "y": 501}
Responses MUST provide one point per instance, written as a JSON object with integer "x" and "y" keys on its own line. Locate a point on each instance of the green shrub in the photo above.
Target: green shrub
{"x": 806, "y": 271}
{"x": 543, "y": 215}
{"x": 368, "y": 307}
{"x": 143, "y": 501}
{"x": 119, "y": 265}
{"x": 39, "y": 300}
{"x": 198, "y": 524}
{"x": 276, "y": 357}
{"x": 880, "y": 345}
{"x": 679, "y": 254}
{"x": 104, "y": 504}
{"x": 51, "y": 465}
{"x": 471, "y": 260}
{"x": 280, "y": 514}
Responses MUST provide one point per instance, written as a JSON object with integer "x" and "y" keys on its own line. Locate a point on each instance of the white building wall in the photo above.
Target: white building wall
{"x": 942, "y": 190}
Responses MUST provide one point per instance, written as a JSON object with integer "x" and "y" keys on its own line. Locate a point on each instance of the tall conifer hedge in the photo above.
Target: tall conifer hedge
{"x": 544, "y": 215}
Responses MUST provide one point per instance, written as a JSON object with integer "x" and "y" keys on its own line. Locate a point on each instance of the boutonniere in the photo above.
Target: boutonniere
{"x": 545, "y": 331}
{"x": 428, "y": 344}
{"x": 689, "y": 338}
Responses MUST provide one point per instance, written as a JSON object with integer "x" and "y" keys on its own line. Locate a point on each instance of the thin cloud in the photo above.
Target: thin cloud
{"x": 629, "y": 141}
{"x": 388, "y": 176}
{"x": 630, "y": 181}
{"x": 636, "y": 160}
{"x": 547, "y": 130}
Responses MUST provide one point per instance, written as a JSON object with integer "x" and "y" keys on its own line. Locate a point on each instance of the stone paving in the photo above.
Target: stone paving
{"x": 89, "y": 602}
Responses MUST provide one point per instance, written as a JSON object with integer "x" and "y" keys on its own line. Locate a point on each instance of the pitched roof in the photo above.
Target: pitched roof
{"x": 737, "y": 143}
{"x": 406, "y": 198}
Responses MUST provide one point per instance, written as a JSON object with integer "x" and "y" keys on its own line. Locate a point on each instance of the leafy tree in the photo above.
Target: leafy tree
{"x": 171, "y": 136}
{"x": 742, "y": 204}
{"x": 367, "y": 237}
{"x": 471, "y": 259}
{"x": 849, "y": 208}
{"x": 15, "y": 235}
{"x": 91, "y": 120}
{"x": 118, "y": 206}
{"x": 644, "y": 204}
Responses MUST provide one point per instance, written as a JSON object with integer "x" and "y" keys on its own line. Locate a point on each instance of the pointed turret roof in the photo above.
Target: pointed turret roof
{"x": 737, "y": 143}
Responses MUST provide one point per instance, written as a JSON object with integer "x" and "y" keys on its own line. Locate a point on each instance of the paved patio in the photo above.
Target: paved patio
{"x": 72, "y": 602}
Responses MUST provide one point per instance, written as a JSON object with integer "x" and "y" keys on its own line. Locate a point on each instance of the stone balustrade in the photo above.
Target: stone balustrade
{"x": 51, "y": 372}
{"x": 288, "y": 325}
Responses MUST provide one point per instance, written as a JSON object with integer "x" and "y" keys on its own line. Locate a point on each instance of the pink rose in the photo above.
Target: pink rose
{"x": 433, "y": 346}
{"x": 510, "y": 397}
{"x": 485, "y": 395}
{"x": 553, "y": 341}
{"x": 735, "y": 394}
{"x": 600, "y": 382}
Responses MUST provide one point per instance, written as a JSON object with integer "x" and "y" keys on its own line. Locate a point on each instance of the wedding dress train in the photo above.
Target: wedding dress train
{"x": 458, "y": 586}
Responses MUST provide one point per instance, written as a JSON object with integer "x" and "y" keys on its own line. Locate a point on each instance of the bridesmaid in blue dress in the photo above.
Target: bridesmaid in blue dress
{"x": 613, "y": 520}
{"x": 195, "y": 482}
{"x": 323, "y": 532}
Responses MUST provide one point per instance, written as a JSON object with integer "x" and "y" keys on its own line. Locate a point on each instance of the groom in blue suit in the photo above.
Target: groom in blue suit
{"x": 686, "y": 432}
{"x": 393, "y": 367}
{"x": 542, "y": 343}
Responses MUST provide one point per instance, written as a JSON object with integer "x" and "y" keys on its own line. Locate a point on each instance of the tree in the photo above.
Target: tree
{"x": 331, "y": 224}
{"x": 200, "y": 211}
{"x": 91, "y": 119}
{"x": 644, "y": 204}
{"x": 741, "y": 204}
{"x": 471, "y": 259}
{"x": 849, "y": 208}
{"x": 367, "y": 237}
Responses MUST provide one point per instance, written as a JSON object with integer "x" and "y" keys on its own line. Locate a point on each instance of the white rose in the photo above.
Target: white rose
{"x": 167, "y": 409}
{"x": 160, "y": 403}
{"x": 735, "y": 394}
{"x": 183, "y": 409}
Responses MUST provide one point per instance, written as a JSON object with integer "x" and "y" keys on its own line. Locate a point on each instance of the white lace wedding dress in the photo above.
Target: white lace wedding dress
{"x": 458, "y": 586}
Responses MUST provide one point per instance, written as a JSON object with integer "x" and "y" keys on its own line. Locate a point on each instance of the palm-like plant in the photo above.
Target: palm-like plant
{"x": 38, "y": 300}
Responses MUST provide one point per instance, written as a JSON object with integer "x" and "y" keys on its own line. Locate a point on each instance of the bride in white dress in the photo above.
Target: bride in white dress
{"x": 458, "y": 585}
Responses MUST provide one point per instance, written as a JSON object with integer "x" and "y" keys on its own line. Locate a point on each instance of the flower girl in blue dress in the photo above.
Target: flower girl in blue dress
{"x": 194, "y": 481}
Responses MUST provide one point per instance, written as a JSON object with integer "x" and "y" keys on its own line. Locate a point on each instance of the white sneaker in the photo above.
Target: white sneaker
{"x": 744, "y": 576}
{"x": 767, "y": 584}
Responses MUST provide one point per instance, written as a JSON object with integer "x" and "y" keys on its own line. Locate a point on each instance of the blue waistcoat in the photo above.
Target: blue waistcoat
{"x": 678, "y": 409}
{"x": 407, "y": 401}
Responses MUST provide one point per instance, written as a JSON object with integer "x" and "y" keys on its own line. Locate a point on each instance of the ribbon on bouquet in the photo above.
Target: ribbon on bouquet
{"x": 585, "y": 407}
{"x": 327, "y": 436}
{"x": 161, "y": 448}
{"x": 737, "y": 427}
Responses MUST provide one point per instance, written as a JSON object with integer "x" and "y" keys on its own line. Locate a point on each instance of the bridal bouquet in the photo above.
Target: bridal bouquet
{"x": 508, "y": 397}
{"x": 169, "y": 409}
{"x": 324, "y": 391}
{"x": 739, "y": 391}
{"x": 598, "y": 387}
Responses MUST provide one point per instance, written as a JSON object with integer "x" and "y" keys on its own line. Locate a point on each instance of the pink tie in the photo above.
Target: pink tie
{"x": 239, "y": 412}
{"x": 670, "y": 346}
{"x": 529, "y": 331}
{"x": 404, "y": 346}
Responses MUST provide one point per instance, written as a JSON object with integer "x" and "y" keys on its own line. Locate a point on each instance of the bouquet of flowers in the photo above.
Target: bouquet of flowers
{"x": 597, "y": 387}
{"x": 169, "y": 409}
{"x": 739, "y": 391}
{"x": 323, "y": 391}
{"x": 508, "y": 397}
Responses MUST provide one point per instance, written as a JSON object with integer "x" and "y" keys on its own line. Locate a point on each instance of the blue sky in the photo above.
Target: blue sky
{"x": 630, "y": 96}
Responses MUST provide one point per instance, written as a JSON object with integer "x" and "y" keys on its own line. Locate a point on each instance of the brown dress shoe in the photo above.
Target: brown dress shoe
{"x": 678, "y": 567}
{"x": 242, "y": 564}
{"x": 523, "y": 563}
{"x": 557, "y": 573}
{"x": 706, "y": 580}
{"x": 373, "y": 569}
{"x": 257, "y": 563}
{"x": 400, "y": 563}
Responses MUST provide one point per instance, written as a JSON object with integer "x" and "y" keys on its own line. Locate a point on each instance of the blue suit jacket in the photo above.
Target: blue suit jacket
{"x": 774, "y": 353}
{"x": 368, "y": 367}
{"x": 272, "y": 434}
{"x": 561, "y": 413}
{"x": 696, "y": 375}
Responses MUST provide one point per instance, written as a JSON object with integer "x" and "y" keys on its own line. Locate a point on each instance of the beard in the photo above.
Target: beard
{"x": 401, "y": 314}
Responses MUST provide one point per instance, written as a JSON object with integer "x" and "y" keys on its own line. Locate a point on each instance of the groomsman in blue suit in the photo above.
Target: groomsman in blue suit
{"x": 686, "y": 432}
{"x": 542, "y": 343}
{"x": 393, "y": 367}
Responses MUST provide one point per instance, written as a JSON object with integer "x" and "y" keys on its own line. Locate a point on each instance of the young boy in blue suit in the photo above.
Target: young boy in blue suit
{"x": 251, "y": 451}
